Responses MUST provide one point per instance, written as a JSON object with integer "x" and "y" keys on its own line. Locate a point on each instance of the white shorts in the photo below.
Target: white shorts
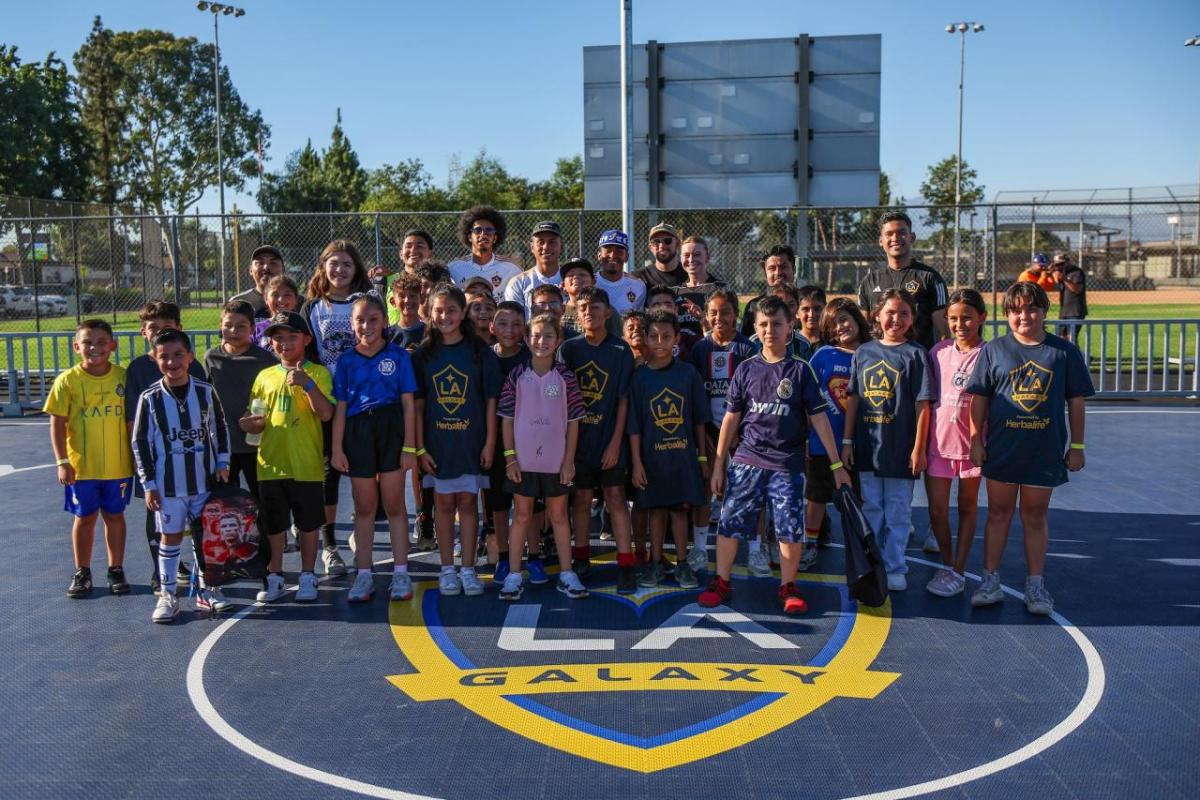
{"x": 177, "y": 512}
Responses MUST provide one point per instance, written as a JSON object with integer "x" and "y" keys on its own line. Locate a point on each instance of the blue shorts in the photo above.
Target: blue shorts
{"x": 749, "y": 489}
{"x": 84, "y": 498}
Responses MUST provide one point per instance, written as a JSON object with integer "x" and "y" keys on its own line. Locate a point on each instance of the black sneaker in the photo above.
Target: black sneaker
{"x": 116, "y": 581}
{"x": 581, "y": 567}
{"x": 155, "y": 583}
{"x": 81, "y": 583}
{"x": 627, "y": 580}
{"x": 825, "y": 540}
{"x": 183, "y": 574}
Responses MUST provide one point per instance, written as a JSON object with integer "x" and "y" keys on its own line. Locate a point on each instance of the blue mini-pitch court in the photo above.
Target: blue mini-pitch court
{"x": 627, "y": 697}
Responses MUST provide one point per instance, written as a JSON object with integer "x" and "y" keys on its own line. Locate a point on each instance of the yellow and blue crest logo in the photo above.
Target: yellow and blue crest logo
{"x": 879, "y": 383}
{"x": 450, "y": 388}
{"x": 572, "y": 689}
{"x": 667, "y": 409}
{"x": 1030, "y": 385}
{"x": 592, "y": 381}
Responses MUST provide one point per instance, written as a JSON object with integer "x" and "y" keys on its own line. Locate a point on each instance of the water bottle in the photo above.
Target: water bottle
{"x": 257, "y": 408}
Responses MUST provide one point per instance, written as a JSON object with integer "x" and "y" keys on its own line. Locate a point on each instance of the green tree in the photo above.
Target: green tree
{"x": 342, "y": 172}
{"x": 404, "y": 186}
{"x": 162, "y": 90}
{"x": 43, "y": 147}
{"x": 564, "y": 189}
{"x": 938, "y": 192}
{"x": 96, "y": 66}
{"x": 300, "y": 187}
{"x": 485, "y": 181}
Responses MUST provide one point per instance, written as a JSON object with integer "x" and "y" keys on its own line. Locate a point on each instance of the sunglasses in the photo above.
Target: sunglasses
{"x": 481, "y": 231}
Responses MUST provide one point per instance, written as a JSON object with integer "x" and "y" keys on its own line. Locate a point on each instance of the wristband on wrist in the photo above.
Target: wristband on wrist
{"x": 409, "y": 450}
{"x": 1076, "y": 445}
{"x": 847, "y": 441}
{"x": 835, "y": 466}
{"x": 702, "y": 459}
{"x": 62, "y": 462}
{"x": 420, "y": 451}
{"x": 510, "y": 453}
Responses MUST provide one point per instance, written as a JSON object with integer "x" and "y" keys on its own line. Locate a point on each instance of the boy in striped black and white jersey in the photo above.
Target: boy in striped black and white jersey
{"x": 180, "y": 440}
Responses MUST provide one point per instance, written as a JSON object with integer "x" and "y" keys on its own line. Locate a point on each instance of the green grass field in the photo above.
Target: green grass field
{"x": 51, "y": 351}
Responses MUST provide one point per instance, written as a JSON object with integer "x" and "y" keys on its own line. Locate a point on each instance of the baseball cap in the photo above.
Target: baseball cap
{"x": 547, "y": 226}
{"x": 290, "y": 320}
{"x": 1040, "y": 259}
{"x": 663, "y": 227}
{"x": 615, "y": 238}
{"x": 576, "y": 263}
{"x": 1060, "y": 257}
{"x": 269, "y": 249}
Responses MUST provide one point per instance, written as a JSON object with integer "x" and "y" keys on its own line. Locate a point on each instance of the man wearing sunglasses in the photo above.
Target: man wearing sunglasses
{"x": 482, "y": 229}
{"x": 665, "y": 271}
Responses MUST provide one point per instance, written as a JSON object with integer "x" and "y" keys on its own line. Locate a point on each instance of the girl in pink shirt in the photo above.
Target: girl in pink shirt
{"x": 540, "y": 408}
{"x": 950, "y": 439}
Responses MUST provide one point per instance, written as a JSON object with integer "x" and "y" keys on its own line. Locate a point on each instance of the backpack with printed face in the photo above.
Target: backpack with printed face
{"x": 866, "y": 577}
{"x": 229, "y": 521}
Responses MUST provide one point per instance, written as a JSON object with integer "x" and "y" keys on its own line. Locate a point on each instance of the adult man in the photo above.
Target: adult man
{"x": 779, "y": 266}
{"x": 904, "y": 272}
{"x": 1038, "y": 272}
{"x": 664, "y": 246}
{"x": 692, "y": 293}
{"x": 482, "y": 229}
{"x": 265, "y": 263}
{"x": 416, "y": 247}
{"x": 1072, "y": 293}
{"x": 547, "y": 246}
{"x": 625, "y": 292}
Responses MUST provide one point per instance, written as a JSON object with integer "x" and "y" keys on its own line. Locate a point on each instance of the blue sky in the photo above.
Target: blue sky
{"x": 1067, "y": 94}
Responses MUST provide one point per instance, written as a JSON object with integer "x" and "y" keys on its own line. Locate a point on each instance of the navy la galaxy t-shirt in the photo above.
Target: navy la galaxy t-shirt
{"x": 1028, "y": 386}
{"x": 889, "y": 381}
{"x": 665, "y": 406}
{"x": 603, "y": 372}
{"x": 456, "y": 382}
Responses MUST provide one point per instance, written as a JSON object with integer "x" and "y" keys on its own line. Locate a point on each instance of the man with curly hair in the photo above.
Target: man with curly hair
{"x": 482, "y": 229}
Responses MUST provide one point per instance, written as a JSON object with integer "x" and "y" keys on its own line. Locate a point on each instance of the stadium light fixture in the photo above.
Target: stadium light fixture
{"x": 961, "y": 28}
{"x": 1192, "y": 42}
{"x": 218, "y": 10}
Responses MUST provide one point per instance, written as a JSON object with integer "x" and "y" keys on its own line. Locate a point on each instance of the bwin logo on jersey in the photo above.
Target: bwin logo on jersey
{"x": 570, "y": 694}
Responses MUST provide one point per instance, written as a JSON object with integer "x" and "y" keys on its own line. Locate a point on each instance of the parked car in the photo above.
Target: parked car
{"x": 85, "y": 301}
{"x": 20, "y": 301}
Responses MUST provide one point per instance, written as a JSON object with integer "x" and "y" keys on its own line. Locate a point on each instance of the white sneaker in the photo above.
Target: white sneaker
{"x": 511, "y": 590}
{"x": 275, "y": 589}
{"x": 363, "y": 589}
{"x": 697, "y": 558}
{"x": 401, "y": 586}
{"x": 306, "y": 592}
{"x": 449, "y": 584}
{"x": 759, "y": 561}
{"x": 946, "y": 583}
{"x": 930, "y": 545}
{"x": 897, "y": 582}
{"x": 212, "y": 600}
{"x": 990, "y": 591}
{"x": 1037, "y": 599}
{"x": 471, "y": 585}
{"x": 166, "y": 609}
{"x": 808, "y": 558}
{"x": 335, "y": 567}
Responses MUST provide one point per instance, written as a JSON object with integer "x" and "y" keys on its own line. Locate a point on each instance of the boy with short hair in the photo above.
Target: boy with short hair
{"x": 431, "y": 274}
{"x": 772, "y": 400}
{"x": 404, "y": 299}
{"x": 663, "y": 298}
{"x": 798, "y": 345}
{"x": 140, "y": 375}
{"x": 291, "y": 457}
{"x": 180, "y": 441}
{"x": 508, "y": 328}
{"x": 808, "y": 315}
{"x": 603, "y": 367}
{"x": 86, "y": 408}
{"x": 668, "y": 411}
{"x": 1020, "y": 384}
{"x": 577, "y": 274}
{"x": 547, "y": 298}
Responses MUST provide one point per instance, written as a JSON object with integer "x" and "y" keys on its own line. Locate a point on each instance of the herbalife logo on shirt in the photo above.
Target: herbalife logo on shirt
{"x": 879, "y": 383}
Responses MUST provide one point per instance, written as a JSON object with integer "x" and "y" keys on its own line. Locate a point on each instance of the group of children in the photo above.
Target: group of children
{"x": 543, "y": 410}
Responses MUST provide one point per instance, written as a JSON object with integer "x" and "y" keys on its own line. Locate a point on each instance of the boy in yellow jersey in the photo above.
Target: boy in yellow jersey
{"x": 91, "y": 447}
{"x": 291, "y": 460}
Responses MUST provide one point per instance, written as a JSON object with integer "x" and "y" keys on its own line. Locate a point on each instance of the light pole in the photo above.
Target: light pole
{"x": 961, "y": 29}
{"x": 218, "y": 10}
{"x": 627, "y": 119}
{"x": 1195, "y": 42}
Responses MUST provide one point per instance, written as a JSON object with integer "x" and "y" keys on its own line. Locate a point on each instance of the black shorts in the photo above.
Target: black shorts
{"x": 818, "y": 482}
{"x": 538, "y": 484}
{"x": 590, "y": 477}
{"x": 285, "y": 501}
{"x": 373, "y": 441}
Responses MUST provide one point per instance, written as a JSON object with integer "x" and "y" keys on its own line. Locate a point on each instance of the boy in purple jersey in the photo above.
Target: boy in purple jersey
{"x": 771, "y": 401}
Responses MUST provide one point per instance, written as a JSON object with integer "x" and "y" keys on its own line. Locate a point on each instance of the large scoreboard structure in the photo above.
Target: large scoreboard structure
{"x": 754, "y": 123}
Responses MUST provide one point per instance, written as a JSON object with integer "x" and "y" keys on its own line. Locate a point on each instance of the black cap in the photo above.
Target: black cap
{"x": 266, "y": 248}
{"x": 290, "y": 320}
{"x": 547, "y": 226}
{"x": 576, "y": 263}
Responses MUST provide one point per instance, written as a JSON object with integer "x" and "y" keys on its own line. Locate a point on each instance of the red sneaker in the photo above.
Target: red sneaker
{"x": 793, "y": 602}
{"x": 719, "y": 591}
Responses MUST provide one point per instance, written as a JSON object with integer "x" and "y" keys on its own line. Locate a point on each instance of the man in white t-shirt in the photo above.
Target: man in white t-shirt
{"x": 482, "y": 229}
{"x": 547, "y": 245}
{"x": 625, "y": 292}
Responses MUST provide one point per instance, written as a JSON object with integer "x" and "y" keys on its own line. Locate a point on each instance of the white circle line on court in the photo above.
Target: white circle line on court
{"x": 1092, "y": 693}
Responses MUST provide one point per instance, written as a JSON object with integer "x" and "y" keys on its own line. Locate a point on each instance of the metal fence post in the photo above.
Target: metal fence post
{"x": 579, "y": 233}
{"x": 175, "y": 257}
{"x": 995, "y": 229}
{"x": 78, "y": 282}
{"x": 378, "y": 242}
{"x": 112, "y": 265}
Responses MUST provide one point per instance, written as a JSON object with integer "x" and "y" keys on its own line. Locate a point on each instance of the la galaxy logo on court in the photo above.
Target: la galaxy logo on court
{"x": 731, "y": 676}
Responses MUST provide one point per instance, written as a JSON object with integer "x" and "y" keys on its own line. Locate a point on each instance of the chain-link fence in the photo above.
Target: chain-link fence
{"x": 63, "y": 261}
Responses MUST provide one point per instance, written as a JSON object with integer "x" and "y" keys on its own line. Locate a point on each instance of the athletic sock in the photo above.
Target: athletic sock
{"x": 1035, "y": 580}
{"x": 502, "y": 557}
{"x": 811, "y": 535}
{"x": 626, "y": 559}
{"x": 168, "y": 565}
{"x": 702, "y": 537}
{"x": 400, "y": 569}
{"x": 152, "y": 537}
{"x": 581, "y": 552}
{"x": 449, "y": 568}
{"x": 327, "y": 535}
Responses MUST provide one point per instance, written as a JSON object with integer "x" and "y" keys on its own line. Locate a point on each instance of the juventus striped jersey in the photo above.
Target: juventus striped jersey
{"x": 179, "y": 444}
